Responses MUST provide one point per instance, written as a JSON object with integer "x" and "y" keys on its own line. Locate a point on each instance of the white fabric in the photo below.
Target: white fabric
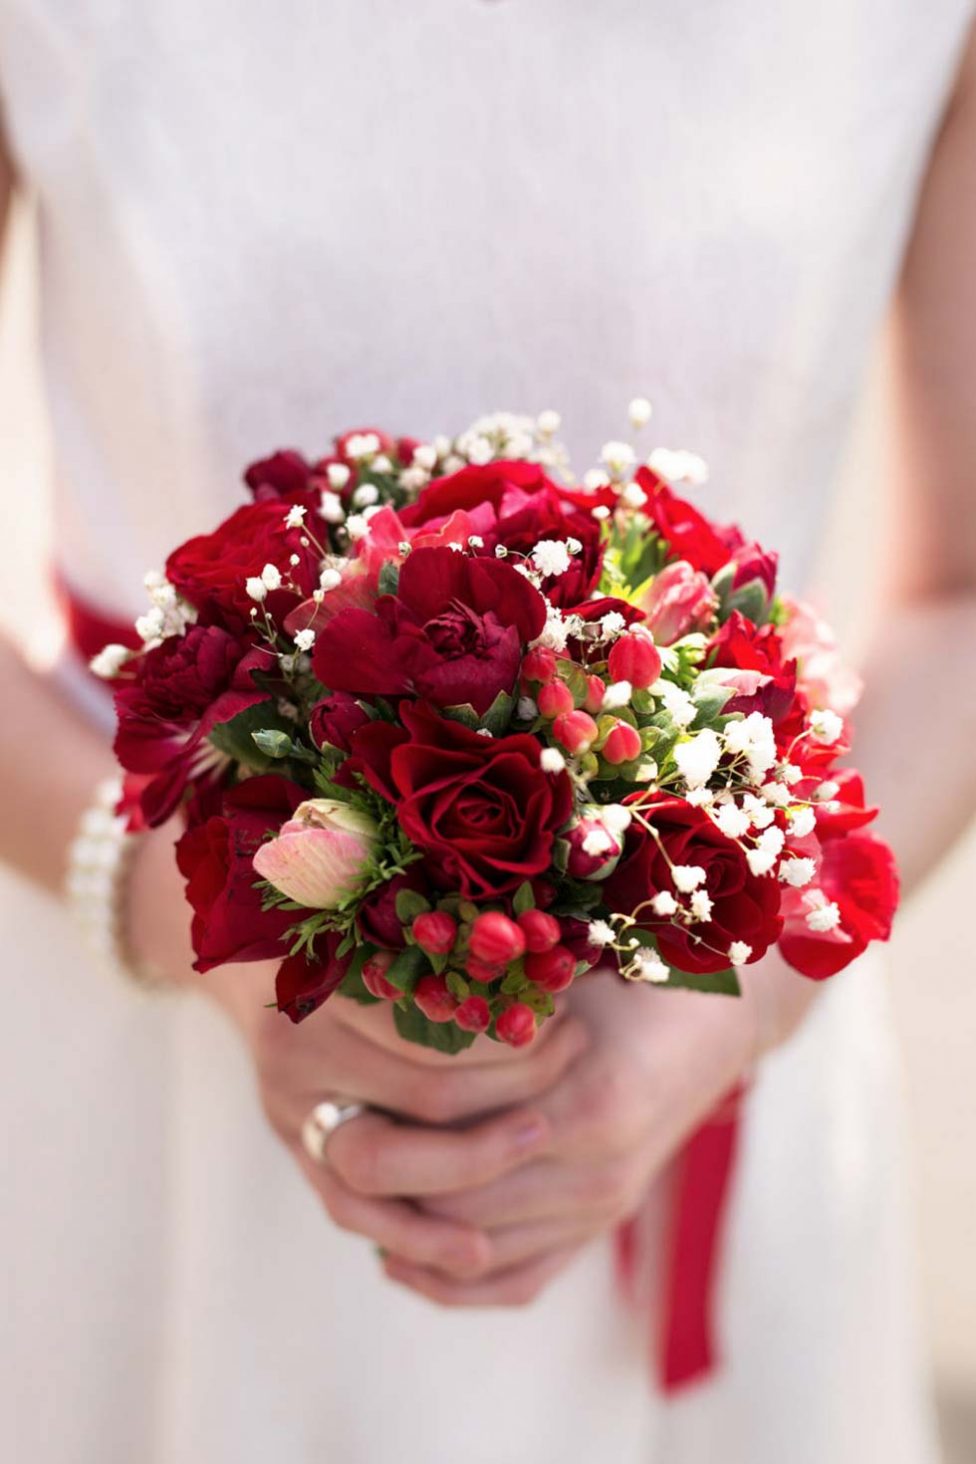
{"x": 261, "y": 224}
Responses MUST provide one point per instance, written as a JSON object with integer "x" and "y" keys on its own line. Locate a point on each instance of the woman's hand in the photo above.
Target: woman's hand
{"x": 656, "y": 1064}
{"x": 380, "y": 1163}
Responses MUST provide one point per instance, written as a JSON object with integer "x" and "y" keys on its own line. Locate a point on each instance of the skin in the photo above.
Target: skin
{"x": 562, "y": 1140}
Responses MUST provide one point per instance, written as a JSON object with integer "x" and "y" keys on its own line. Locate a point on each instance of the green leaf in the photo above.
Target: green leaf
{"x": 457, "y": 986}
{"x": 523, "y": 899}
{"x": 407, "y": 968}
{"x": 389, "y": 578}
{"x": 720, "y": 983}
{"x": 414, "y": 1027}
{"x": 352, "y": 983}
{"x": 236, "y": 737}
{"x": 499, "y": 714}
{"x": 575, "y": 678}
{"x": 464, "y": 714}
{"x": 410, "y": 904}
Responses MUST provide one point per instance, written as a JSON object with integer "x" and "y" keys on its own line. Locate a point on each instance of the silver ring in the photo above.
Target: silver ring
{"x": 323, "y": 1121}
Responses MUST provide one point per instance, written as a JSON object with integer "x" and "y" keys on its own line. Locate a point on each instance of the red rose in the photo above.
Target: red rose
{"x": 453, "y": 633}
{"x": 764, "y": 682}
{"x": 856, "y": 873}
{"x": 745, "y": 907}
{"x": 211, "y": 570}
{"x": 333, "y": 721}
{"x": 481, "y": 809}
{"x": 284, "y": 475}
{"x": 184, "y": 687}
{"x": 687, "y": 533}
{"x": 215, "y": 860}
{"x": 304, "y": 983}
{"x": 514, "y": 504}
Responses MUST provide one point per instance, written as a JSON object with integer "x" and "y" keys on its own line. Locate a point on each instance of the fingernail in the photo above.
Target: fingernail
{"x": 530, "y": 1133}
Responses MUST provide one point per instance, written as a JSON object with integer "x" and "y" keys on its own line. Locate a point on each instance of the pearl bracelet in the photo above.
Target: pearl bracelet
{"x": 99, "y": 862}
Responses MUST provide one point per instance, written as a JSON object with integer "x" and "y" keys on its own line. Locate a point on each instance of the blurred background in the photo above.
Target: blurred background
{"x": 933, "y": 967}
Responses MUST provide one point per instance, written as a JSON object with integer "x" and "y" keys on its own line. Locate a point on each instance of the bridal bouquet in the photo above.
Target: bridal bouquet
{"x": 448, "y": 731}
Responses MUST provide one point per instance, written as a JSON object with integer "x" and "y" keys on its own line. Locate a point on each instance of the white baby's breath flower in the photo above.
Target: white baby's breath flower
{"x": 791, "y": 774}
{"x": 803, "y": 821}
{"x": 776, "y": 793}
{"x": 679, "y": 466}
{"x": 600, "y": 513}
{"x": 732, "y": 820}
{"x": 639, "y": 413}
{"x": 551, "y": 760}
{"x": 330, "y": 579}
{"x": 698, "y": 758}
{"x": 699, "y": 797}
{"x": 357, "y": 526}
{"x": 826, "y": 726}
{"x": 595, "y": 479}
{"x": 254, "y": 587}
{"x": 365, "y": 494}
{"x": 823, "y": 915}
{"x": 479, "y": 451}
{"x": 338, "y": 475}
{"x": 425, "y": 456}
{"x": 633, "y": 496}
{"x": 305, "y": 639}
{"x": 362, "y": 445}
{"x": 678, "y": 704}
{"x": 739, "y": 953}
{"x": 687, "y": 877}
{"x": 551, "y": 557}
{"x": 701, "y": 905}
{"x": 617, "y": 818}
{"x": 600, "y": 932}
{"x": 548, "y": 423}
{"x": 619, "y": 458}
{"x": 109, "y": 661}
{"x": 382, "y": 464}
{"x": 295, "y": 516}
{"x": 648, "y": 966}
{"x": 271, "y": 575}
{"x": 827, "y": 790}
{"x": 617, "y": 694}
{"x": 475, "y": 541}
{"x": 412, "y": 479}
{"x": 611, "y": 624}
{"x": 330, "y": 506}
{"x": 526, "y": 709}
{"x": 664, "y": 904}
{"x": 797, "y": 872}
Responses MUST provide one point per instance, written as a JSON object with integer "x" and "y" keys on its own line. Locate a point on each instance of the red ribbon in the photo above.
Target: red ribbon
{"x": 683, "y": 1340}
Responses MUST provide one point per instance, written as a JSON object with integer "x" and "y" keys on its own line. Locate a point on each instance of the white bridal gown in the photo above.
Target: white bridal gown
{"x": 261, "y": 223}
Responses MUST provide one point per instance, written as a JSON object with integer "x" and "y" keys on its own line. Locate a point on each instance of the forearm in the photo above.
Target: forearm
{"x": 50, "y": 761}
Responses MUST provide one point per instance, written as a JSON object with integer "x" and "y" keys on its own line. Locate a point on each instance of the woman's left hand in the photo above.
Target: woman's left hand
{"x": 656, "y": 1064}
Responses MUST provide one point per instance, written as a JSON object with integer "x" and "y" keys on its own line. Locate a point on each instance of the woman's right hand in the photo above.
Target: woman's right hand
{"x": 442, "y": 1123}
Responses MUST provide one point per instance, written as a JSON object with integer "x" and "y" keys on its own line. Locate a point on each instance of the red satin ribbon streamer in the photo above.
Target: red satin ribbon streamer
{"x": 683, "y": 1341}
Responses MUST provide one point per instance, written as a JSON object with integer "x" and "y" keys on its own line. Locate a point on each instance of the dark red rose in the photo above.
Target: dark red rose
{"x": 856, "y": 873}
{"x": 304, "y": 983}
{"x": 211, "y": 570}
{"x": 285, "y": 475}
{"x": 183, "y": 688}
{"x": 514, "y": 504}
{"x": 333, "y": 721}
{"x": 215, "y": 857}
{"x": 378, "y": 919}
{"x": 763, "y": 680}
{"x": 453, "y": 633}
{"x": 481, "y": 809}
{"x": 745, "y": 907}
{"x": 687, "y": 533}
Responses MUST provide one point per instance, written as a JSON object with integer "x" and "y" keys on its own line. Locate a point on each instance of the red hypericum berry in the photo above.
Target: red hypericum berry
{"x": 516, "y": 1025}
{"x": 473, "y": 1015}
{"x": 623, "y": 744}
{"x": 553, "y": 969}
{"x": 495, "y": 939}
{"x": 481, "y": 971}
{"x": 634, "y": 658}
{"x": 539, "y": 664}
{"x": 434, "y": 999}
{"x": 541, "y": 931}
{"x": 374, "y": 976}
{"x": 554, "y": 698}
{"x": 595, "y": 692}
{"x": 435, "y": 932}
{"x": 576, "y": 731}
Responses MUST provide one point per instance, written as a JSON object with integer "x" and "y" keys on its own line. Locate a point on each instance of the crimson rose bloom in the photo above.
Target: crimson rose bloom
{"x": 745, "y": 906}
{"x": 453, "y": 633}
{"x": 284, "y": 475}
{"x": 215, "y": 857}
{"x": 481, "y": 809}
{"x": 303, "y": 983}
{"x": 687, "y": 533}
{"x": 514, "y": 504}
{"x": 764, "y": 680}
{"x": 183, "y": 688}
{"x": 859, "y": 875}
{"x": 210, "y": 571}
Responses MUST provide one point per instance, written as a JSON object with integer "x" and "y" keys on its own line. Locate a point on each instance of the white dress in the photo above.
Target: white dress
{"x": 262, "y": 223}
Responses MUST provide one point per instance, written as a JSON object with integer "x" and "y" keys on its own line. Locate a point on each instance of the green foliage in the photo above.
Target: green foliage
{"x": 413, "y": 1026}
{"x": 410, "y": 904}
{"x": 523, "y": 899}
{"x": 389, "y": 578}
{"x": 352, "y": 983}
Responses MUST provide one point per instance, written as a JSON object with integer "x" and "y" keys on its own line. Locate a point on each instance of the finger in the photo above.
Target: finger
{"x": 374, "y": 1155}
{"x": 518, "y": 1286}
{"x": 547, "y": 1190}
{"x": 514, "y": 1245}
{"x": 398, "y": 1227}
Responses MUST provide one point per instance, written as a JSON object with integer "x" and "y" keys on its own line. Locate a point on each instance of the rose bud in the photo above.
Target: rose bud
{"x": 623, "y": 744}
{"x": 593, "y": 849}
{"x": 435, "y": 932}
{"x": 576, "y": 731}
{"x": 473, "y": 1015}
{"x": 434, "y": 999}
{"x": 333, "y": 721}
{"x": 554, "y": 698}
{"x": 516, "y": 1025}
{"x": 679, "y": 601}
{"x": 539, "y": 664}
{"x": 634, "y": 658}
{"x": 319, "y": 857}
{"x": 541, "y": 931}
{"x": 595, "y": 692}
{"x": 374, "y": 976}
{"x": 551, "y": 970}
{"x": 495, "y": 939}
{"x": 754, "y": 564}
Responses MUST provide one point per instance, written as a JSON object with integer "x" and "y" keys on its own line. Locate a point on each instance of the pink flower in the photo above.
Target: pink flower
{"x": 319, "y": 856}
{"x": 678, "y": 601}
{"x": 823, "y": 676}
